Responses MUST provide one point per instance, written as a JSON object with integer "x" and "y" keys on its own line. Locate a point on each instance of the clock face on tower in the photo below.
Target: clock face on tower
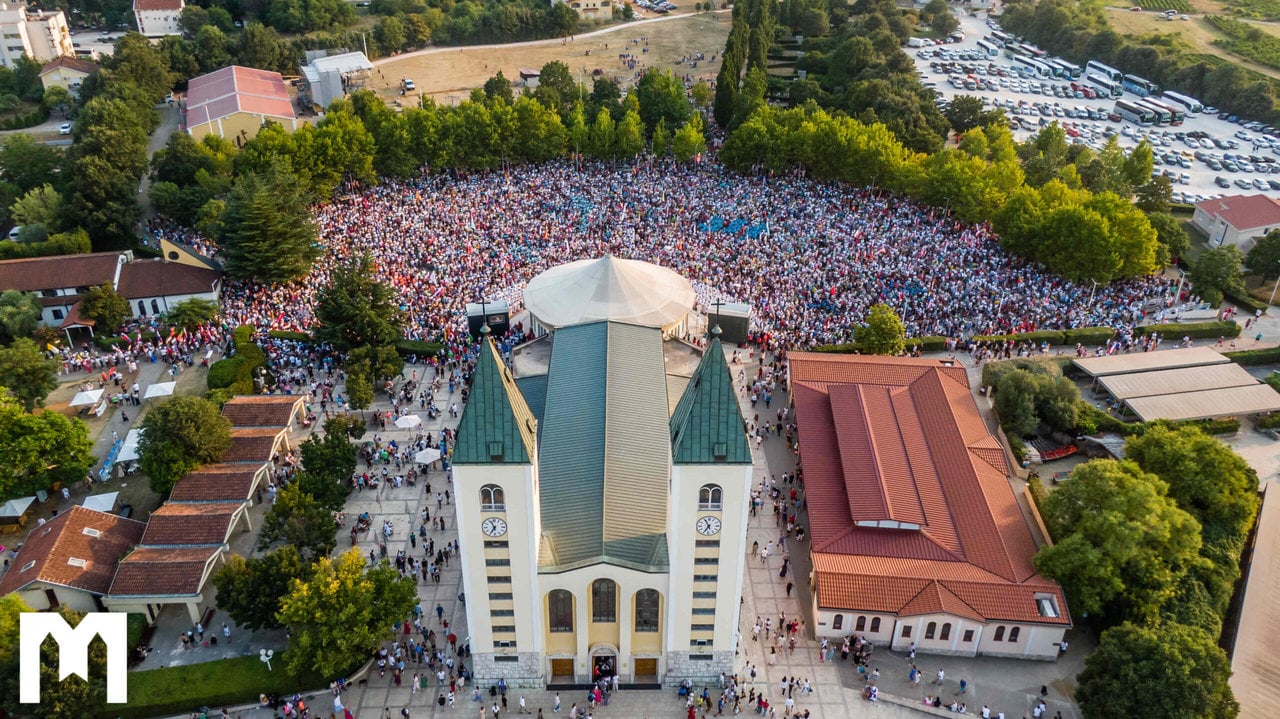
{"x": 494, "y": 527}
{"x": 709, "y": 526}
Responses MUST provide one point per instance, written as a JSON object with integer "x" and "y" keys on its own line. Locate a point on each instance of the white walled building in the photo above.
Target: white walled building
{"x": 157, "y": 18}
{"x": 1237, "y": 219}
{"x": 602, "y": 507}
{"x": 41, "y": 35}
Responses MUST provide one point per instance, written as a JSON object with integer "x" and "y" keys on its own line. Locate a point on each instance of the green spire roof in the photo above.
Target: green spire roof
{"x": 707, "y": 427}
{"x": 497, "y": 426}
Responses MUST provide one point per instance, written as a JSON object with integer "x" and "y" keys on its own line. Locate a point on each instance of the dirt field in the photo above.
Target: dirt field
{"x": 1197, "y": 32}
{"x": 449, "y": 74}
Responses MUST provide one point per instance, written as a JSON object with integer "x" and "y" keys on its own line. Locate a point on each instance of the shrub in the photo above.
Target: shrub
{"x": 1088, "y": 336}
{"x": 219, "y": 396}
{"x": 1194, "y": 330}
{"x": 1270, "y": 421}
{"x": 992, "y": 372}
{"x": 1091, "y": 420}
{"x": 1053, "y": 337}
{"x": 18, "y": 122}
{"x": 1246, "y": 301}
{"x": 107, "y": 342}
{"x": 928, "y": 343}
{"x": 1250, "y": 358}
{"x": 287, "y": 335}
{"x": 1227, "y": 425}
{"x": 1018, "y": 447}
{"x": 223, "y": 372}
{"x": 416, "y": 347}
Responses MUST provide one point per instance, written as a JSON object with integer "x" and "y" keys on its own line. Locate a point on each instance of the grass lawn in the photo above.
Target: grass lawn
{"x": 175, "y": 690}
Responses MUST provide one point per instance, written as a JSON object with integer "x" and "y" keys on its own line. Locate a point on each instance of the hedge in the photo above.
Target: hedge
{"x": 1053, "y": 337}
{"x": 287, "y": 335}
{"x": 416, "y": 347}
{"x": 107, "y": 342}
{"x": 928, "y": 343}
{"x": 1088, "y": 336}
{"x": 223, "y": 373}
{"x": 1018, "y": 447}
{"x": 1250, "y": 358}
{"x": 20, "y": 122}
{"x": 1271, "y": 421}
{"x": 187, "y": 688}
{"x": 1194, "y": 330}
{"x": 1245, "y": 300}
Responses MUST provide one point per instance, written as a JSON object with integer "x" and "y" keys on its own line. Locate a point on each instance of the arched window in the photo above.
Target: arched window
{"x": 946, "y": 632}
{"x": 930, "y": 629}
{"x": 860, "y": 625}
{"x": 155, "y": 307}
{"x": 838, "y": 622}
{"x": 604, "y": 601}
{"x": 491, "y": 499}
{"x": 710, "y": 498}
{"x": 647, "y": 603}
{"x": 999, "y": 637}
{"x": 560, "y": 610}
{"x": 1013, "y": 633}
{"x": 875, "y": 624}
{"x": 142, "y": 308}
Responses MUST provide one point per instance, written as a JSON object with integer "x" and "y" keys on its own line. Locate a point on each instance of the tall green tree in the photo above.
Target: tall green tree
{"x": 326, "y": 641}
{"x": 1122, "y": 545}
{"x": 41, "y": 206}
{"x": 299, "y": 520}
{"x": 689, "y": 141}
{"x": 359, "y": 385}
{"x": 266, "y": 232}
{"x": 630, "y": 135}
{"x": 356, "y": 310}
{"x": 662, "y": 96}
{"x": 28, "y": 373}
{"x": 250, "y": 590}
{"x": 1217, "y": 272}
{"x": 1183, "y": 668}
{"x": 19, "y": 314}
{"x": 1264, "y": 257}
{"x": 328, "y": 464}
{"x": 179, "y": 435}
{"x": 191, "y": 313}
{"x": 37, "y": 450}
{"x": 105, "y": 307}
{"x": 884, "y": 333}
{"x": 604, "y": 139}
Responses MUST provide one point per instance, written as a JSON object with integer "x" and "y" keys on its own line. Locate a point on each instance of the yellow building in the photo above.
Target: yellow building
{"x": 66, "y": 72}
{"x": 235, "y": 102}
{"x": 602, "y": 492}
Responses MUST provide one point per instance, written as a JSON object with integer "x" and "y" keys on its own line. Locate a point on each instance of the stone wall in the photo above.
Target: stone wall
{"x": 699, "y": 671}
{"x": 523, "y": 674}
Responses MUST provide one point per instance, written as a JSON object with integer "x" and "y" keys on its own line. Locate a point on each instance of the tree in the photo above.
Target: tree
{"x": 1154, "y": 196}
{"x": 105, "y": 307}
{"x": 661, "y": 96}
{"x": 702, "y": 95}
{"x": 212, "y": 48}
{"x": 266, "y": 231}
{"x": 261, "y": 47}
{"x": 191, "y": 313}
{"x": 965, "y": 112}
{"x": 346, "y": 425}
{"x": 327, "y": 641}
{"x": 1173, "y": 239}
{"x": 299, "y": 520}
{"x": 1217, "y": 272}
{"x": 1264, "y": 257}
{"x": 603, "y": 138}
{"x": 40, "y": 206}
{"x": 37, "y": 450}
{"x": 1205, "y": 477}
{"x": 390, "y": 34}
{"x": 499, "y": 87}
{"x": 28, "y": 164}
{"x": 250, "y": 590}
{"x": 660, "y": 143}
{"x": 689, "y": 141}
{"x": 1016, "y": 402}
{"x": 883, "y": 334}
{"x": 355, "y": 310}
{"x": 328, "y": 464}
{"x": 359, "y": 385}
{"x": 630, "y": 135}
{"x": 20, "y": 314}
{"x": 1122, "y": 544}
{"x": 1166, "y": 672}
{"x": 944, "y": 23}
{"x": 179, "y": 435}
{"x": 28, "y": 373}
{"x": 57, "y": 98}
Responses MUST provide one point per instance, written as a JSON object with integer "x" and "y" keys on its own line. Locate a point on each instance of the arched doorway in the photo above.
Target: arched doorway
{"x": 604, "y": 662}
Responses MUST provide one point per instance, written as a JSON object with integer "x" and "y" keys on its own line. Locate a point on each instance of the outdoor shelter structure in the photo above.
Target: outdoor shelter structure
{"x": 1173, "y": 381}
{"x": 1207, "y": 404}
{"x": 1097, "y": 367}
{"x": 105, "y": 502}
{"x": 159, "y": 389}
{"x": 1254, "y": 680}
{"x": 86, "y": 398}
{"x": 609, "y": 289}
{"x": 13, "y": 511}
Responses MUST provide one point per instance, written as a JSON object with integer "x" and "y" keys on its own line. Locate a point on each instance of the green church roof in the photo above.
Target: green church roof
{"x": 707, "y": 426}
{"x": 497, "y": 426}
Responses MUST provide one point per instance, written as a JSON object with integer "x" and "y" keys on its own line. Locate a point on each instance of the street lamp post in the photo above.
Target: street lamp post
{"x": 1093, "y": 291}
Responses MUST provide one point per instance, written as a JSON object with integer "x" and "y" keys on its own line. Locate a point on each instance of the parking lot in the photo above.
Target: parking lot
{"x": 1204, "y": 157}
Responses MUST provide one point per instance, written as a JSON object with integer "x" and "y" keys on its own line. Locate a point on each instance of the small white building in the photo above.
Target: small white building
{"x": 1237, "y": 219}
{"x": 332, "y": 77}
{"x": 157, "y": 18}
{"x": 41, "y": 35}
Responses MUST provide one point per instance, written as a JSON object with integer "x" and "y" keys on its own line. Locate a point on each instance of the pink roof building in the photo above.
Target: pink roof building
{"x": 235, "y": 102}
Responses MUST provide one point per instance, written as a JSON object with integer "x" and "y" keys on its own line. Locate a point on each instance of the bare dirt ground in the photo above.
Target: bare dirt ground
{"x": 449, "y": 74}
{"x": 1197, "y": 32}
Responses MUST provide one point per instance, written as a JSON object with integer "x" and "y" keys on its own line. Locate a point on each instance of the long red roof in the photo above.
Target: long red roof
{"x": 910, "y": 506}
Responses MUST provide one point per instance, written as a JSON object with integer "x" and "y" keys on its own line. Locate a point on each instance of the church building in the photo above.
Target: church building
{"x": 603, "y": 481}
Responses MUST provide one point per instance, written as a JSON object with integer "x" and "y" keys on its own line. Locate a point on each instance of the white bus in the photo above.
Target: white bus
{"x": 1135, "y": 113}
{"x": 1106, "y": 88}
{"x": 1163, "y": 115}
{"x": 1097, "y": 68}
{"x": 1071, "y": 71}
{"x": 1190, "y": 105}
{"x": 990, "y": 49}
{"x": 1176, "y": 114}
{"x": 1139, "y": 86}
{"x": 1000, "y": 38}
{"x": 1035, "y": 66}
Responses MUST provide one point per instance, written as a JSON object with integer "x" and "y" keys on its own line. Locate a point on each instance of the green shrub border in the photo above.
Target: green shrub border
{"x": 21, "y": 122}
{"x": 1250, "y": 358}
{"x": 107, "y": 342}
{"x": 417, "y": 347}
{"x": 1194, "y": 330}
{"x": 1270, "y": 421}
{"x": 928, "y": 343}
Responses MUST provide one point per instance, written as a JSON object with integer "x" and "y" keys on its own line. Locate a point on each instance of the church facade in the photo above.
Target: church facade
{"x": 602, "y": 510}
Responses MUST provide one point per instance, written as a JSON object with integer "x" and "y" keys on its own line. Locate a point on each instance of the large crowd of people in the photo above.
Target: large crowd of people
{"x": 809, "y": 257}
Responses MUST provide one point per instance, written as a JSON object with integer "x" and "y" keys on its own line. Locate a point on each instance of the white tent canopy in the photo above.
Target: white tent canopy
{"x": 87, "y": 397}
{"x": 129, "y": 450}
{"x": 427, "y": 456}
{"x": 409, "y": 421}
{"x": 609, "y": 288}
{"x": 102, "y": 502}
{"x": 15, "y": 508}
{"x": 159, "y": 389}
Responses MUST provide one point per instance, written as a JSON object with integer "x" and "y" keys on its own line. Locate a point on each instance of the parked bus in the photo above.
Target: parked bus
{"x": 990, "y": 49}
{"x": 1190, "y": 105}
{"x": 1163, "y": 115}
{"x": 1139, "y": 86}
{"x": 1000, "y": 38}
{"x": 1106, "y": 88}
{"x": 1106, "y": 71}
{"x": 1176, "y": 114}
{"x": 1035, "y": 66}
{"x": 1070, "y": 71}
{"x": 1135, "y": 113}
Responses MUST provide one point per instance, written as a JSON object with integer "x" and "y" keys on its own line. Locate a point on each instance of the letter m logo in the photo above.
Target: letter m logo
{"x": 73, "y": 650}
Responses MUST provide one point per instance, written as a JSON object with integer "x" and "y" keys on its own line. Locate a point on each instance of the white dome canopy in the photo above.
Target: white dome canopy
{"x": 609, "y": 288}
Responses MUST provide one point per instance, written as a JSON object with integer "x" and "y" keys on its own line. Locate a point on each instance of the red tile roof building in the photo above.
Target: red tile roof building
{"x": 1237, "y": 219}
{"x": 916, "y": 533}
{"x": 235, "y": 101}
{"x": 264, "y": 410}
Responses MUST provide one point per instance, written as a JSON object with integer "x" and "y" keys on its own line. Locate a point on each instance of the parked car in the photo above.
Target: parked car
{"x": 64, "y": 128}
